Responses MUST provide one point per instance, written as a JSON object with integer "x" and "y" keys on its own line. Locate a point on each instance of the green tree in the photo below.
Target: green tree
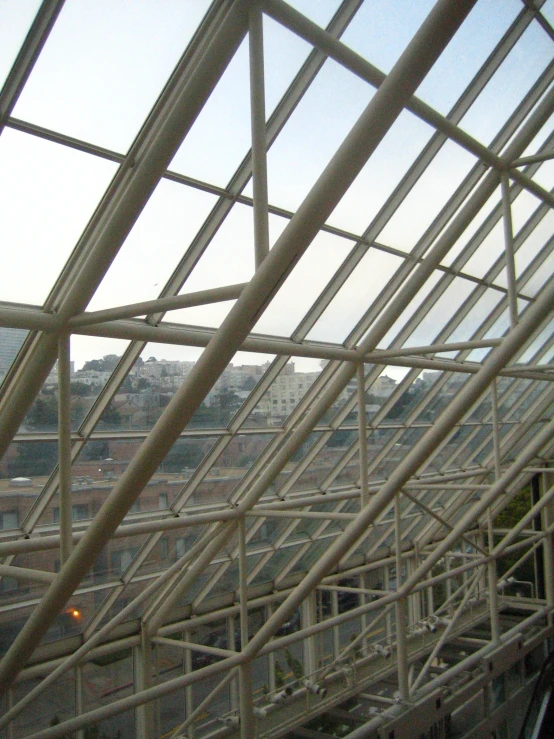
{"x": 507, "y": 519}
{"x": 96, "y": 450}
{"x": 33, "y": 459}
{"x": 111, "y": 416}
{"x": 43, "y": 414}
{"x": 184, "y": 453}
{"x": 80, "y": 389}
{"x": 228, "y": 403}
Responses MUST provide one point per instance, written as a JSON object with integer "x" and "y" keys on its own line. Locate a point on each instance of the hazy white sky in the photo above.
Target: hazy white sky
{"x": 100, "y": 73}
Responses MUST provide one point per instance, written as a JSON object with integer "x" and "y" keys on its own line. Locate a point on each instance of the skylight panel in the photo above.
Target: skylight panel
{"x": 357, "y": 293}
{"x": 324, "y": 116}
{"x": 15, "y": 20}
{"x": 425, "y": 201}
{"x": 380, "y": 32}
{"x": 159, "y": 238}
{"x": 11, "y": 341}
{"x": 382, "y": 173}
{"x": 221, "y": 136}
{"x": 303, "y": 286}
{"x": 48, "y": 194}
{"x": 477, "y": 315}
{"x": 409, "y": 311}
{"x": 102, "y": 68}
{"x": 532, "y": 53}
{"x": 281, "y": 68}
{"x": 540, "y": 277}
{"x": 229, "y": 257}
{"x": 432, "y": 324}
{"x": 466, "y": 52}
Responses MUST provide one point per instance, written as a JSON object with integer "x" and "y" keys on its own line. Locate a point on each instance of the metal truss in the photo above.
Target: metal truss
{"x": 360, "y": 537}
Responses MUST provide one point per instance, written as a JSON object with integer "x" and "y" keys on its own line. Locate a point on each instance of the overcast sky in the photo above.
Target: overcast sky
{"x": 102, "y": 69}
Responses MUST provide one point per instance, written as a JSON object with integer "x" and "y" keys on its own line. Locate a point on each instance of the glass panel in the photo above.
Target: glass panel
{"x": 430, "y": 326}
{"x": 377, "y": 180}
{"x": 148, "y": 388}
{"x": 170, "y": 480}
{"x": 304, "y": 285}
{"x": 170, "y": 663}
{"x": 28, "y": 464}
{"x": 395, "y": 21}
{"x": 355, "y": 296}
{"x": 541, "y": 276}
{"x": 412, "y": 396}
{"x": 474, "y": 232}
{"x": 276, "y": 564}
{"x": 56, "y": 188}
{"x": 106, "y": 679}
{"x": 159, "y": 238}
{"x": 409, "y": 311}
{"x": 279, "y": 68}
{"x": 534, "y": 243}
{"x": 545, "y": 175}
{"x": 477, "y": 315}
{"x": 466, "y": 52}
{"x": 499, "y": 328}
{"x": 537, "y": 351}
{"x": 320, "y": 13}
{"x": 326, "y": 460}
{"x": 211, "y": 151}
{"x": 509, "y": 84}
{"x": 11, "y": 341}
{"x": 56, "y": 704}
{"x": 115, "y": 558}
{"x": 431, "y": 193}
{"x": 313, "y": 133}
{"x": 232, "y": 465}
{"x": 15, "y": 20}
{"x": 100, "y": 89}
{"x": 228, "y": 260}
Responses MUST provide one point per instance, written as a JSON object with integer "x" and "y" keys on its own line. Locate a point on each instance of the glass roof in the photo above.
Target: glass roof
{"x": 223, "y": 300}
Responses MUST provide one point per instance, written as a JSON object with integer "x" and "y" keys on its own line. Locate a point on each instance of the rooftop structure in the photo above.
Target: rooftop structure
{"x": 276, "y": 344}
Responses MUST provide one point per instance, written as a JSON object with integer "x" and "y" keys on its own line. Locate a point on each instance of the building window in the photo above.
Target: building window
{"x": 79, "y": 512}
{"x": 8, "y": 520}
{"x": 8, "y": 584}
{"x": 122, "y": 559}
{"x": 163, "y": 501}
{"x": 180, "y": 547}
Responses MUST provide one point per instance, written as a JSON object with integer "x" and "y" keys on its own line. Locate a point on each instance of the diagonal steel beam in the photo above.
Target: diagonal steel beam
{"x": 367, "y": 133}
{"x": 319, "y": 203}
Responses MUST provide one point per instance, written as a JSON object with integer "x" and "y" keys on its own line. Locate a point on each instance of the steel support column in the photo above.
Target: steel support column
{"x": 64, "y": 448}
{"x": 401, "y": 611}
{"x": 509, "y": 248}
{"x": 362, "y": 436}
{"x": 257, "y": 116}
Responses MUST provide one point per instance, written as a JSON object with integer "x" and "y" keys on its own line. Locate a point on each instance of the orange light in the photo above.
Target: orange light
{"x": 75, "y": 613}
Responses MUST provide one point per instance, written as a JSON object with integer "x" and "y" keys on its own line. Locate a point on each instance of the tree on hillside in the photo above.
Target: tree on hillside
{"x": 43, "y": 414}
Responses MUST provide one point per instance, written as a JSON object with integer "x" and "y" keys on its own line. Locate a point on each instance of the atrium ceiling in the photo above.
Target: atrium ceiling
{"x": 349, "y": 200}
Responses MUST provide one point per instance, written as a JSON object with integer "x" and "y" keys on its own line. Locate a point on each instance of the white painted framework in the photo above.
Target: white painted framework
{"x": 416, "y": 517}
